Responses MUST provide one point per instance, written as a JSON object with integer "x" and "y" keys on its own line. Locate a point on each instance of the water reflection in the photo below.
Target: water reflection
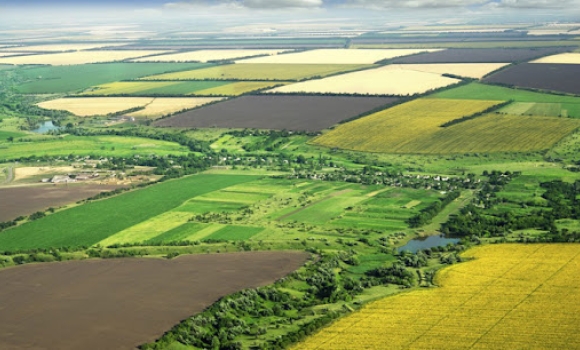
{"x": 417, "y": 244}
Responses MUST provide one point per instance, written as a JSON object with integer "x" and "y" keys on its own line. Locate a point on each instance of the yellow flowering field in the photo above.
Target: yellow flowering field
{"x": 508, "y": 297}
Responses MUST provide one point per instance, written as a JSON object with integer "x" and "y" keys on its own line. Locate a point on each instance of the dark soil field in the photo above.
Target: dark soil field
{"x": 26, "y": 200}
{"x": 122, "y": 303}
{"x": 302, "y": 113}
{"x": 542, "y": 76}
{"x": 480, "y": 55}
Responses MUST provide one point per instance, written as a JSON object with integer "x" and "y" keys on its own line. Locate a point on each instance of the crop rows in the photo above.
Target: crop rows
{"x": 509, "y": 296}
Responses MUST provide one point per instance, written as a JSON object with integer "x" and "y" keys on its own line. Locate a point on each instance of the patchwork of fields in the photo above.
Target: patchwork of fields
{"x": 564, "y": 58}
{"x": 207, "y": 55}
{"x": 261, "y": 71}
{"x": 477, "y": 55}
{"x": 468, "y": 70}
{"x": 379, "y": 81}
{"x": 277, "y": 112}
{"x": 508, "y": 297}
{"x": 335, "y": 56}
{"x": 78, "y": 57}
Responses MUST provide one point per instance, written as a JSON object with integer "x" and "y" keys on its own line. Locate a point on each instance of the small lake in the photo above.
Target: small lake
{"x": 417, "y": 244}
{"x": 46, "y": 127}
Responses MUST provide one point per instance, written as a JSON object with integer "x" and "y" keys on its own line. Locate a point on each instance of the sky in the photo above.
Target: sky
{"x": 18, "y": 11}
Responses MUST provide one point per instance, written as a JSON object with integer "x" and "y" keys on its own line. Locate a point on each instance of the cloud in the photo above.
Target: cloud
{"x": 250, "y": 4}
{"x": 429, "y": 4}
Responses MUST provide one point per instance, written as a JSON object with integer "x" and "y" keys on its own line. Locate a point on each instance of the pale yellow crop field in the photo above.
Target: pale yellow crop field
{"x": 507, "y": 297}
{"x": 380, "y": 81}
{"x": 563, "y": 58}
{"x": 163, "y": 106}
{"x": 398, "y": 128}
{"x": 152, "y": 107}
{"x": 63, "y": 47}
{"x": 78, "y": 57}
{"x": 7, "y": 54}
{"x": 469, "y": 70}
{"x": 207, "y": 55}
{"x": 90, "y": 106}
{"x": 337, "y": 56}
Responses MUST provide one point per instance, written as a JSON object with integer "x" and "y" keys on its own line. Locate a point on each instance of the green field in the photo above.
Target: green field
{"x": 90, "y": 223}
{"x": 6, "y": 66}
{"x": 260, "y": 71}
{"x": 59, "y": 79}
{"x": 235, "y": 233}
{"x": 118, "y": 146}
{"x": 179, "y": 233}
{"x": 540, "y": 103}
{"x": 173, "y": 88}
{"x": 4, "y": 135}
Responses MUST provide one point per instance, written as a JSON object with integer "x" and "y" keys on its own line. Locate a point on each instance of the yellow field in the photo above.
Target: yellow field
{"x": 380, "y": 81}
{"x": 236, "y": 89}
{"x": 508, "y": 297}
{"x": 397, "y": 128}
{"x": 469, "y": 70}
{"x": 153, "y": 107}
{"x": 7, "y": 54}
{"x": 207, "y": 55}
{"x": 62, "y": 47}
{"x": 563, "y": 58}
{"x": 495, "y": 133}
{"x": 78, "y": 57}
{"x": 259, "y": 72}
{"x": 415, "y": 127}
{"x": 336, "y": 56}
{"x": 163, "y": 106}
{"x": 90, "y": 106}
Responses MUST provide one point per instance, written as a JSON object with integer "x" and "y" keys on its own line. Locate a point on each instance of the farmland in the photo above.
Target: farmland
{"x": 469, "y": 70}
{"x": 77, "y": 57}
{"x": 509, "y": 296}
{"x": 479, "y": 55}
{"x": 333, "y": 56}
{"x": 25, "y": 200}
{"x": 173, "y": 88}
{"x": 395, "y": 129}
{"x": 102, "y": 145}
{"x": 380, "y": 81}
{"x": 161, "y": 294}
{"x": 61, "y": 47}
{"x": 564, "y": 58}
{"x": 257, "y": 71}
{"x": 43, "y": 80}
{"x": 152, "y": 107}
{"x": 107, "y": 217}
{"x": 277, "y": 112}
{"x": 476, "y": 91}
{"x": 548, "y": 77}
{"x": 207, "y": 55}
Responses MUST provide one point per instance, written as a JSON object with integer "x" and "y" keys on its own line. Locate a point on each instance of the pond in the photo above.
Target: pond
{"x": 46, "y": 127}
{"x": 417, "y": 244}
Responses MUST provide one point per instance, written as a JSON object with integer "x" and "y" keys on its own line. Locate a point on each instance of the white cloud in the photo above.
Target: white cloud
{"x": 250, "y": 4}
{"x": 527, "y": 4}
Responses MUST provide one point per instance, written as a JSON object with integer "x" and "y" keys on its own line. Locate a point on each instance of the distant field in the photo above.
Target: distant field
{"x": 380, "y": 81}
{"x": 45, "y": 80}
{"x": 6, "y": 134}
{"x": 277, "y": 112}
{"x": 153, "y": 107}
{"x": 207, "y": 55}
{"x": 564, "y": 58}
{"x": 530, "y": 108}
{"x": 77, "y": 57}
{"x": 61, "y": 47}
{"x": 90, "y": 145}
{"x": 258, "y": 71}
{"x": 469, "y": 70}
{"x": 90, "y": 223}
{"x": 8, "y": 54}
{"x": 333, "y": 56}
{"x": 505, "y": 297}
{"x": 480, "y": 55}
{"x": 236, "y": 88}
{"x": 547, "y": 76}
{"x": 477, "y": 91}
{"x": 501, "y": 44}
{"x": 6, "y": 67}
{"x": 400, "y": 128}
